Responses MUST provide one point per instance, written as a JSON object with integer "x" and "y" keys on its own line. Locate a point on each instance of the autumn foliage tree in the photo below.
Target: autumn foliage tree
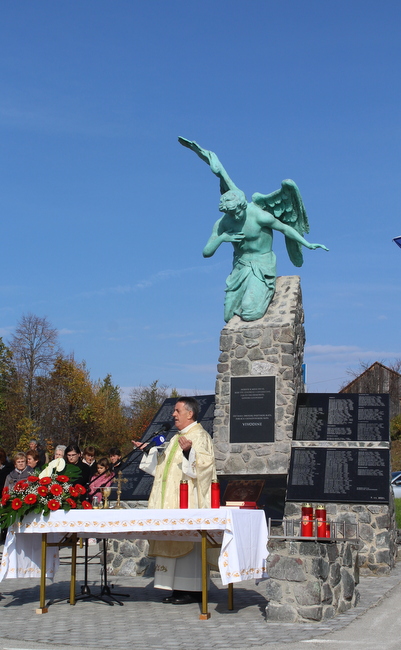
{"x": 50, "y": 396}
{"x": 144, "y": 403}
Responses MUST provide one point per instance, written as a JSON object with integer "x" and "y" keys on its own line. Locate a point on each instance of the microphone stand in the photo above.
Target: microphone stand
{"x": 105, "y": 590}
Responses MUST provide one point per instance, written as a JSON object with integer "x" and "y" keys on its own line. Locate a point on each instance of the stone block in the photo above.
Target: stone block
{"x": 252, "y": 333}
{"x": 308, "y": 594}
{"x": 256, "y": 466}
{"x": 255, "y": 354}
{"x": 327, "y": 594}
{"x": 116, "y": 562}
{"x": 311, "y": 613}
{"x": 285, "y": 568}
{"x": 334, "y": 575}
{"x": 285, "y": 335}
{"x": 320, "y": 568}
{"x": 281, "y": 613}
{"x": 274, "y": 590}
{"x": 366, "y": 533}
{"x": 383, "y": 556}
{"x": 310, "y": 549}
{"x": 241, "y": 352}
{"x": 328, "y": 612}
{"x": 343, "y": 606}
{"x": 235, "y": 465}
{"x": 129, "y": 568}
{"x": 239, "y": 367}
{"x": 287, "y": 360}
{"x": 292, "y": 509}
{"x": 383, "y": 521}
{"x": 347, "y": 556}
{"x": 383, "y": 540}
{"x": 347, "y": 584}
{"x": 226, "y": 342}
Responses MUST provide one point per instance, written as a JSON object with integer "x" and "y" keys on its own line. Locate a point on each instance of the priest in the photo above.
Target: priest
{"x": 188, "y": 456}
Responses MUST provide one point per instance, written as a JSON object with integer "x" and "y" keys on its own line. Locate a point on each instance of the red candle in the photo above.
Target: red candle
{"x": 328, "y": 532}
{"x": 183, "y": 494}
{"x": 215, "y": 494}
{"x": 307, "y": 520}
{"x": 320, "y": 514}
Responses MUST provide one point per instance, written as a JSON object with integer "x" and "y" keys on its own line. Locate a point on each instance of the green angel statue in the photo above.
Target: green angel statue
{"x": 249, "y": 227}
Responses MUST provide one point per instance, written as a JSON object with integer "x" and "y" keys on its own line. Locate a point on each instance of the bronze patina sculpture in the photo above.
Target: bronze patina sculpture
{"x": 249, "y": 227}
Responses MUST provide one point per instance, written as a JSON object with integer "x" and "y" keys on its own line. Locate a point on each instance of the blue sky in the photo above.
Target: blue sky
{"x": 104, "y": 215}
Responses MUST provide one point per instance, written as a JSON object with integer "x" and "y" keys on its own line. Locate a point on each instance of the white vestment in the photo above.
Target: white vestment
{"x": 178, "y": 564}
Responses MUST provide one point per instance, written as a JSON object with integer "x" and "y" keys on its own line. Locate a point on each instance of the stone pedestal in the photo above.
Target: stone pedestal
{"x": 310, "y": 581}
{"x": 270, "y": 346}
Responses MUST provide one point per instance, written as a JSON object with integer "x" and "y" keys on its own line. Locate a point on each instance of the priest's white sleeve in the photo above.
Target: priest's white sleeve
{"x": 149, "y": 461}
{"x": 189, "y": 464}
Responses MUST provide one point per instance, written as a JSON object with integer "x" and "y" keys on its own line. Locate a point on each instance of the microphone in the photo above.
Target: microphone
{"x": 157, "y": 440}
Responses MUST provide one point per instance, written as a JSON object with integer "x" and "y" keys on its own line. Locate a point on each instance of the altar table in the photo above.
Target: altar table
{"x": 242, "y": 535}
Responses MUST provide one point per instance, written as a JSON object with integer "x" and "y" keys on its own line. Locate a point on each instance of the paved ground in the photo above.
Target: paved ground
{"x": 143, "y": 622}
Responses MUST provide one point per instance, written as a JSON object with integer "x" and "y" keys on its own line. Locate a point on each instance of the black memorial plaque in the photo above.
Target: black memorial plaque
{"x": 252, "y": 409}
{"x": 340, "y": 474}
{"x": 139, "y": 484}
{"x": 341, "y": 417}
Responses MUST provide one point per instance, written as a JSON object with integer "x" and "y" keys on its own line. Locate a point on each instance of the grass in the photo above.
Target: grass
{"x": 397, "y": 505}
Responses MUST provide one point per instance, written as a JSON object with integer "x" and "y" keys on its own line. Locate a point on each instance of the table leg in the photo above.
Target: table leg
{"x": 230, "y": 596}
{"x": 204, "y": 613}
{"x": 74, "y": 542}
{"x": 42, "y": 602}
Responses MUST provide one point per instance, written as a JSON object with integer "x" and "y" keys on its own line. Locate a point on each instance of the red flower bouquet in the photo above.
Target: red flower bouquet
{"x": 40, "y": 494}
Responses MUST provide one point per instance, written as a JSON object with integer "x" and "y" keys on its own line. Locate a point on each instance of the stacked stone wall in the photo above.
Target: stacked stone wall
{"x": 270, "y": 346}
{"x": 310, "y": 581}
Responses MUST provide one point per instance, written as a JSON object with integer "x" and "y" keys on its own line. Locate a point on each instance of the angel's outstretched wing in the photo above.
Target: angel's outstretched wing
{"x": 286, "y": 204}
{"x": 211, "y": 159}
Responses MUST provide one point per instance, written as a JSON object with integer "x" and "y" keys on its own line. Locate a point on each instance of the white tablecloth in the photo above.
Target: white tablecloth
{"x": 241, "y": 533}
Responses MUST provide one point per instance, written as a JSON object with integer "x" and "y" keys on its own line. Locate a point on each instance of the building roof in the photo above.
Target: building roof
{"x": 376, "y": 364}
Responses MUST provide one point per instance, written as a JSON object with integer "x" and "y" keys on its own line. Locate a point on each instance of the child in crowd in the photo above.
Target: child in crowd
{"x": 102, "y": 478}
{"x": 89, "y": 459}
{"x": 21, "y": 470}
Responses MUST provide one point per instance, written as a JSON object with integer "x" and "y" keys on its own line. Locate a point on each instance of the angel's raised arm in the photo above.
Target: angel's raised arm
{"x": 211, "y": 159}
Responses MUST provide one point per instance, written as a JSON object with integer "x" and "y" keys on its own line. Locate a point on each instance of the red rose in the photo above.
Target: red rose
{"x": 56, "y": 490}
{"x": 62, "y": 478}
{"x": 30, "y": 499}
{"x": 33, "y": 478}
{"x": 86, "y": 505}
{"x": 16, "y": 504}
{"x": 53, "y": 504}
{"x": 80, "y": 488}
{"x": 71, "y": 502}
{"x": 42, "y": 491}
{"x": 46, "y": 480}
{"x": 73, "y": 491}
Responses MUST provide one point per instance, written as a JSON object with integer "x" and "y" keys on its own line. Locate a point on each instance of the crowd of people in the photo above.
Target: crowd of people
{"x": 188, "y": 457}
{"x": 92, "y": 473}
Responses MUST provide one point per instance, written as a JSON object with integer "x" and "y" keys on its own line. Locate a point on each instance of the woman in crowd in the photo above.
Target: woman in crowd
{"x": 59, "y": 451}
{"x": 32, "y": 460}
{"x": 72, "y": 456}
{"x": 5, "y": 468}
{"x": 20, "y": 471}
